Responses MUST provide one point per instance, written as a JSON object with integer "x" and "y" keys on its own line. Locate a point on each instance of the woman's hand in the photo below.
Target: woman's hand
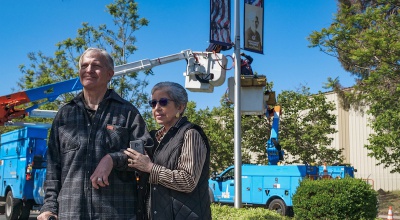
{"x": 138, "y": 161}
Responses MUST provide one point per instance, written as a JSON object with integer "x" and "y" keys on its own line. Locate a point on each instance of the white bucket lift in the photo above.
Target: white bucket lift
{"x": 252, "y": 98}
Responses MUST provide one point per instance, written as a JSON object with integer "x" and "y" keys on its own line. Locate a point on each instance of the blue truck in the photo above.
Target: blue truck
{"x": 22, "y": 171}
{"x": 271, "y": 186}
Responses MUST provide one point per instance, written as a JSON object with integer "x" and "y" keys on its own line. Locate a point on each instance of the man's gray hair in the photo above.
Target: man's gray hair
{"x": 110, "y": 60}
{"x": 174, "y": 90}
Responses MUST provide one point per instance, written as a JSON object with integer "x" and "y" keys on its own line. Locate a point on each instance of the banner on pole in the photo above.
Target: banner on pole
{"x": 253, "y": 25}
{"x": 220, "y": 22}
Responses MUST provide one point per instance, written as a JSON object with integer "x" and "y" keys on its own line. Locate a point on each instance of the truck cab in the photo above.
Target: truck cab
{"x": 339, "y": 171}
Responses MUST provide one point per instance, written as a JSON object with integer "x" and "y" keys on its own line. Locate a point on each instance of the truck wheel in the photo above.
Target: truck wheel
{"x": 13, "y": 207}
{"x": 211, "y": 194}
{"x": 26, "y": 209}
{"x": 279, "y": 206}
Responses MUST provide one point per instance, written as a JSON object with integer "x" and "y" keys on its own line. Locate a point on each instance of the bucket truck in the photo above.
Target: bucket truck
{"x": 271, "y": 186}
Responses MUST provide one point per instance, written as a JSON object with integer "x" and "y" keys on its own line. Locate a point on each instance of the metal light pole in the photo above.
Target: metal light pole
{"x": 237, "y": 112}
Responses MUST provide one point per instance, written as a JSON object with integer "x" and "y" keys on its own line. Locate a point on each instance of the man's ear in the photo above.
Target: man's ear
{"x": 110, "y": 74}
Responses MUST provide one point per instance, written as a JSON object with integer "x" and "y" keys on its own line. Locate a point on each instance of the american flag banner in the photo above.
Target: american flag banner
{"x": 257, "y": 3}
{"x": 220, "y": 22}
{"x": 254, "y": 25}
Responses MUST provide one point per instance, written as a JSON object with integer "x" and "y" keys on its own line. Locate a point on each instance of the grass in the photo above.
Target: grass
{"x": 387, "y": 199}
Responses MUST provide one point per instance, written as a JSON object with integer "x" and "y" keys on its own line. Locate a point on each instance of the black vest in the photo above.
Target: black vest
{"x": 170, "y": 204}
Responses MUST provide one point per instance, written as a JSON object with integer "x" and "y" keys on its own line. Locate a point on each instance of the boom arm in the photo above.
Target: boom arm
{"x": 49, "y": 92}
{"x": 148, "y": 64}
{"x": 274, "y": 149}
{"x": 204, "y": 70}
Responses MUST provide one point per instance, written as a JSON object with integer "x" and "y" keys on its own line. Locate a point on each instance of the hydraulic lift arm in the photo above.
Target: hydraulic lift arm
{"x": 204, "y": 70}
{"x": 274, "y": 149}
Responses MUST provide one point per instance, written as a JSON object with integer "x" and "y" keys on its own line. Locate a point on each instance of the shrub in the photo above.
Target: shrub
{"x": 225, "y": 212}
{"x": 347, "y": 198}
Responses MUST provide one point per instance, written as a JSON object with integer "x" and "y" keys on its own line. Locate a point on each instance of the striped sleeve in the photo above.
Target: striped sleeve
{"x": 190, "y": 164}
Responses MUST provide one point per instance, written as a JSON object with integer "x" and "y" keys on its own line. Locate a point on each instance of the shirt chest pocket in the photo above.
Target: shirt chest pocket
{"x": 116, "y": 138}
{"x": 69, "y": 138}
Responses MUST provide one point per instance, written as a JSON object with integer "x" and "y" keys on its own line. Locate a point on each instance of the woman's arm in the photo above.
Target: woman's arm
{"x": 190, "y": 164}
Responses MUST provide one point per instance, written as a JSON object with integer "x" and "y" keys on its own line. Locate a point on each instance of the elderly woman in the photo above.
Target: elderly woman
{"x": 179, "y": 169}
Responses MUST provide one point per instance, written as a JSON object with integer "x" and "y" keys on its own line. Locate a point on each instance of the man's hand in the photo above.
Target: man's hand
{"x": 100, "y": 175}
{"x": 46, "y": 215}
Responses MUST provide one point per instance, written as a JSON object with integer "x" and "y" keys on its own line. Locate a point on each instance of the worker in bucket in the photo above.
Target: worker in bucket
{"x": 245, "y": 66}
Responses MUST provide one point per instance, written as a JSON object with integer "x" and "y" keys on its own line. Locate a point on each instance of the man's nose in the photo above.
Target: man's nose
{"x": 89, "y": 68}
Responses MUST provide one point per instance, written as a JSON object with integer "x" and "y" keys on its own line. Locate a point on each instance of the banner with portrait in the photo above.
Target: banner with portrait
{"x": 253, "y": 25}
{"x": 220, "y": 22}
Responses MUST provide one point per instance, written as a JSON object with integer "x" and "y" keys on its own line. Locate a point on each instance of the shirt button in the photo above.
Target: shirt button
{"x": 155, "y": 212}
{"x": 154, "y": 188}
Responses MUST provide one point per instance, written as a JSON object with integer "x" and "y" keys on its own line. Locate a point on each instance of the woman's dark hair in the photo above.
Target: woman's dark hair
{"x": 175, "y": 91}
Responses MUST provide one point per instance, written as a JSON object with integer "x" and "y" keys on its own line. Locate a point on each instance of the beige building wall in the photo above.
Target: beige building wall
{"x": 341, "y": 138}
{"x": 353, "y": 133}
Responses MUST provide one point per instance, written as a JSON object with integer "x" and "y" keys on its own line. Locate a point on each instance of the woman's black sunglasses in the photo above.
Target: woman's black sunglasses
{"x": 163, "y": 102}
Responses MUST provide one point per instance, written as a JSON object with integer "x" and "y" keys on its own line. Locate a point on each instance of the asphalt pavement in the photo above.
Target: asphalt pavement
{"x": 33, "y": 216}
{"x": 386, "y": 217}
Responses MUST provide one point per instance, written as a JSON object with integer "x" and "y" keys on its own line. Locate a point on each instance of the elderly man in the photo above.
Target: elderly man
{"x": 87, "y": 172}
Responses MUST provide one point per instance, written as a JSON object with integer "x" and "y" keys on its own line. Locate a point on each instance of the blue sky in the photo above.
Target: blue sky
{"x": 37, "y": 25}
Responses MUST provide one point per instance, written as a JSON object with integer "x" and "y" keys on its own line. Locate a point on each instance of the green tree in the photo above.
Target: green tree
{"x": 118, "y": 41}
{"x": 364, "y": 37}
{"x": 306, "y": 123}
{"x": 218, "y": 126}
{"x": 256, "y": 131}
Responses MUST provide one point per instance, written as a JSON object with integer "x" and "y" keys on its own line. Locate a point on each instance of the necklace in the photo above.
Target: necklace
{"x": 160, "y": 134}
